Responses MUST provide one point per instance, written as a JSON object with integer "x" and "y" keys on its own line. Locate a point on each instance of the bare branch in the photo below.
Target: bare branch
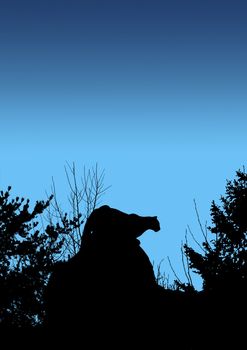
{"x": 174, "y": 270}
{"x": 186, "y": 267}
{"x": 84, "y": 196}
{"x": 199, "y": 220}
{"x": 194, "y": 239}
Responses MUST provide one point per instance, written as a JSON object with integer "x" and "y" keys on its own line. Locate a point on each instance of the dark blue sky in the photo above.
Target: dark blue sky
{"x": 154, "y": 91}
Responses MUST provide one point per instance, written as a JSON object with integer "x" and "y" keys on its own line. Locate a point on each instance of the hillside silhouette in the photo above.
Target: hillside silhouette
{"x": 108, "y": 289}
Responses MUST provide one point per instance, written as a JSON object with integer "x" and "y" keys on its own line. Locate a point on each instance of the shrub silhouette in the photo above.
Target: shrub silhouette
{"x": 27, "y": 254}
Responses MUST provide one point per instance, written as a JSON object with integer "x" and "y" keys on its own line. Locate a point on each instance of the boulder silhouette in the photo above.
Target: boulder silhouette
{"x": 110, "y": 281}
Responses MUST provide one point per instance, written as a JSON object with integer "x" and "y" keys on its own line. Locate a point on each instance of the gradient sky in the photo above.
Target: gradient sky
{"x": 153, "y": 91}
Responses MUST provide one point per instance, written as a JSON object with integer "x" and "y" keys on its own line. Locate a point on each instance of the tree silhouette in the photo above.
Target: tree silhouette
{"x": 223, "y": 268}
{"x": 27, "y": 254}
{"x": 84, "y": 194}
{"x": 33, "y": 241}
{"x": 223, "y": 264}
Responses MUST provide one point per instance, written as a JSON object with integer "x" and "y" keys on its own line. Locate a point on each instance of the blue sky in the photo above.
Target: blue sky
{"x": 153, "y": 91}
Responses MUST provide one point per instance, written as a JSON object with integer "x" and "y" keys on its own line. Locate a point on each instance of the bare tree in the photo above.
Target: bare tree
{"x": 85, "y": 193}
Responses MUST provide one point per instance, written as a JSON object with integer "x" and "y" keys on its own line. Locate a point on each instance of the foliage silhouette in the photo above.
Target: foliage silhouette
{"x": 29, "y": 248}
{"x": 27, "y": 254}
{"x": 223, "y": 265}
